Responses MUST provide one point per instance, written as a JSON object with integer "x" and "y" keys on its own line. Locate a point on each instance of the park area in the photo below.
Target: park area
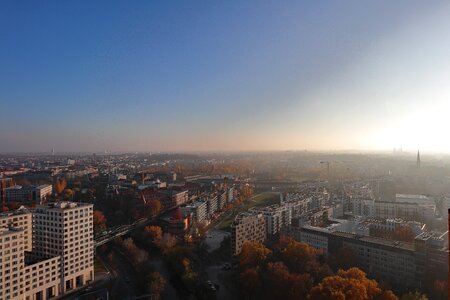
{"x": 259, "y": 200}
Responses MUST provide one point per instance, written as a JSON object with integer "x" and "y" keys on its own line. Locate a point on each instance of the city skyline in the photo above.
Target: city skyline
{"x": 89, "y": 77}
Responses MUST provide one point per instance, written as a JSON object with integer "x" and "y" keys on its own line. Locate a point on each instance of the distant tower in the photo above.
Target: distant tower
{"x": 418, "y": 160}
{"x": 53, "y": 151}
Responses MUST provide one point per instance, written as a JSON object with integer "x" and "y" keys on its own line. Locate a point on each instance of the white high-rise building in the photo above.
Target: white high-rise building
{"x": 47, "y": 251}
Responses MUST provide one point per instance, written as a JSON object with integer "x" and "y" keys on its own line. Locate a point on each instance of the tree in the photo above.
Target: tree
{"x": 154, "y": 233}
{"x": 167, "y": 242}
{"x": 99, "y": 221}
{"x": 156, "y": 284}
{"x": 302, "y": 258}
{"x": 68, "y": 194}
{"x": 414, "y": 296}
{"x": 387, "y": 295}
{"x": 348, "y": 285}
{"x": 250, "y": 281}
{"x": 60, "y": 185}
{"x": 286, "y": 285}
{"x": 154, "y": 207}
{"x": 135, "y": 254}
{"x": 344, "y": 258}
{"x": 253, "y": 254}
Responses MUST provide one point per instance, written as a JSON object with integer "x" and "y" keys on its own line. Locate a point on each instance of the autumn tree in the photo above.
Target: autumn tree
{"x": 250, "y": 281}
{"x": 350, "y": 284}
{"x": 156, "y": 284}
{"x": 154, "y": 207}
{"x": 344, "y": 258}
{"x": 414, "y": 296}
{"x": 134, "y": 253}
{"x": 286, "y": 285}
{"x": 99, "y": 221}
{"x": 168, "y": 241}
{"x": 154, "y": 233}
{"x": 302, "y": 258}
{"x": 180, "y": 264}
{"x": 246, "y": 191}
{"x": 60, "y": 185}
{"x": 68, "y": 194}
{"x": 253, "y": 254}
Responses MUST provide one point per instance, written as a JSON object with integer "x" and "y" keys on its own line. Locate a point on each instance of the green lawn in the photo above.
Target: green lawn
{"x": 260, "y": 200}
{"x": 265, "y": 199}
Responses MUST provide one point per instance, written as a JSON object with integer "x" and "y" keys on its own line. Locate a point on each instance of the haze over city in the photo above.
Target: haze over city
{"x": 219, "y": 76}
{"x": 223, "y": 150}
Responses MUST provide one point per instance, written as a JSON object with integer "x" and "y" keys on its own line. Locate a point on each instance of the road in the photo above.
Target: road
{"x": 214, "y": 272}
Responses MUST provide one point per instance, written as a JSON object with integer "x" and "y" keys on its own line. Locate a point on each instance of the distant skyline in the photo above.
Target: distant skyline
{"x": 182, "y": 76}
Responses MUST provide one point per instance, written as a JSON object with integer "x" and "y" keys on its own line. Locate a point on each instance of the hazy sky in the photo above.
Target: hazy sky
{"x": 224, "y": 75}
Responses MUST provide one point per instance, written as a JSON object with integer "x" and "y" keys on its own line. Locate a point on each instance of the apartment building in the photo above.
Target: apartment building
{"x": 199, "y": 210}
{"x": 18, "y": 193}
{"x": 65, "y": 229}
{"x": 278, "y": 217}
{"x": 221, "y": 199}
{"x": 316, "y": 237}
{"x": 231, "y": 194}
{"x": 46, "y": 251}
{"x": 391, "y": 210}
{"x": 173, "y": 198}
{"x": 382, "y": 259}
{"x": 401, "y": 264}
{"x": 212, "y": 205}
{"x": 247, "y": 227}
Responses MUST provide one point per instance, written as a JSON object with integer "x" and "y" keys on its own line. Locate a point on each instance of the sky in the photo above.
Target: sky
{"x": 224, "y": 75}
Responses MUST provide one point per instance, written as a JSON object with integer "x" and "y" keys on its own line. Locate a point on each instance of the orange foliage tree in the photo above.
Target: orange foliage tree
{"x": 99, "y": 221}
{"x": 154, "y": 207}
{"x": 302, "y": 258}
{"x": 253, "y": 254}
{"x": 350, "y": 284}
{"x": 286, "y": 285}
{"x": 250, "y": 281}
{"x": 154, "y": 233}
{"x": 60, "y": 185}
{"x": 156, "y": 284}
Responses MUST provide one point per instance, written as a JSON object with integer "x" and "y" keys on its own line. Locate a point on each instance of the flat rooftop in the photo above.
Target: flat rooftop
{"x": 375, "y": 240}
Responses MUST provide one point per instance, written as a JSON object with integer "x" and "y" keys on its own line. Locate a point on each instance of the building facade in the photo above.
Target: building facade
{"x": 402, "y": 265}
{"x": 247, "y": 227}
{"x": 47, "y": 251}
{"x": 19, "y": 193}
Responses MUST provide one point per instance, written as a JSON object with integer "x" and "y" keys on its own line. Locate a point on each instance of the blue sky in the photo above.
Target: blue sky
{"x": 224, "y": 75}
